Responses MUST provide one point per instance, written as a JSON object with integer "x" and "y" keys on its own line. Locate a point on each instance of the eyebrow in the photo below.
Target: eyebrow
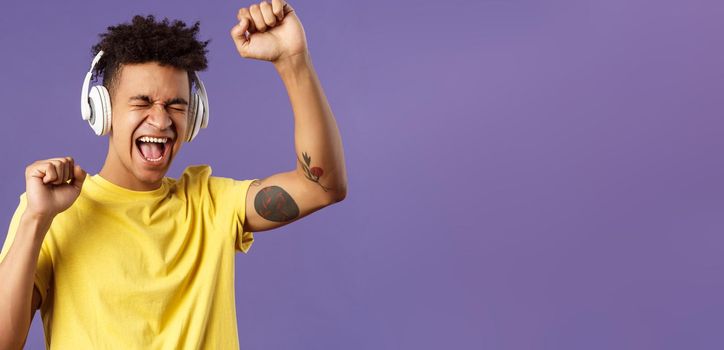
{"x": 173, "y": 101}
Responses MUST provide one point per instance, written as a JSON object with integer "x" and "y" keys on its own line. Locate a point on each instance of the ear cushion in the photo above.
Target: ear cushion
{"x": 200, "y": 110}
{"x": 100, "y": 103}
{"x": 191, "y": 125}
{"x": 203, "y": 101}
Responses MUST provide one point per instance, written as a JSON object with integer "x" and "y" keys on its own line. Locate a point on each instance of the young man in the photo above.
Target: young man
{"x": 129, "y": 258}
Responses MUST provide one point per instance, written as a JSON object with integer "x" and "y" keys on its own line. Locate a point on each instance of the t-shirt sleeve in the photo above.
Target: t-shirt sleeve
{"x": 244, "y": 237}
{"x": 237, "y": 190}
{"x": 228, "y": 197}
{"x": 45, "y": 267}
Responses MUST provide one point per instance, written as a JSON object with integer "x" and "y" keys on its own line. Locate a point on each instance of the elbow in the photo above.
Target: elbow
{"x": 337, "y": 195}
{"x": 341, "y": 192}
{"x": 340, "y": 196}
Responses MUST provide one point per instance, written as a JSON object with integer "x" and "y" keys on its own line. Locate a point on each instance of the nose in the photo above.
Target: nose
{"x": 159, "y": 117}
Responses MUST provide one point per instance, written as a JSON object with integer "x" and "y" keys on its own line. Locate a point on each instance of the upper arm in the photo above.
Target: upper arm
{"x": 283, "y": 198}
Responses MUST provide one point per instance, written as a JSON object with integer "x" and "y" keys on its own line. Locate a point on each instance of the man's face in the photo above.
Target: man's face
{"x": 149, "y": 100}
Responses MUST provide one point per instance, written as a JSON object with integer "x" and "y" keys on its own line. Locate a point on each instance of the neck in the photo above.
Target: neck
{"x": 114, "y": 171}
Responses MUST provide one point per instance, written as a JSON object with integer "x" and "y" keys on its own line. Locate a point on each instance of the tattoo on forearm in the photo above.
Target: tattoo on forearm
{"x": 313, "y": 173}
{"x": 275, "y": 204}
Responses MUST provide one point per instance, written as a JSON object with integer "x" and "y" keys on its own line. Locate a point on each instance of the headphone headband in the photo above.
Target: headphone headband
{"x": 85, "y": 108}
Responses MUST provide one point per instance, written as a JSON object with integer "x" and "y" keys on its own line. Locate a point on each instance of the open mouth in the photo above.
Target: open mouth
{"x": 154, "y": 149}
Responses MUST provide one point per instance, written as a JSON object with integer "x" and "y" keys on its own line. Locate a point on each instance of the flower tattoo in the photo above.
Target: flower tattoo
{"x": 313, "y": 173}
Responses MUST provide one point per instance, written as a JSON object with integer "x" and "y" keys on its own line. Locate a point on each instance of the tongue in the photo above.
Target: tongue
{"x": 151, "y": 150}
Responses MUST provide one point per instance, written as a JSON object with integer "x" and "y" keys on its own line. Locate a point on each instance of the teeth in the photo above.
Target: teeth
{"x": 154, "y": 160}
{"x": 153, "y": 139}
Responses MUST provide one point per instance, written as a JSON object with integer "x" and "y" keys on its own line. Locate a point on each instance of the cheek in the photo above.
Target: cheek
{"x": 123, "y": 126}
{"x": 181, "y": 124}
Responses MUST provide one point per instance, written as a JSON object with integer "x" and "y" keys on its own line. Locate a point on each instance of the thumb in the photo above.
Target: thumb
{"x": 78, "y": 177}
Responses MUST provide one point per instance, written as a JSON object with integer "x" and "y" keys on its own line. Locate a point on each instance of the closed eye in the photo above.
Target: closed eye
{"x": 176, "y": 104}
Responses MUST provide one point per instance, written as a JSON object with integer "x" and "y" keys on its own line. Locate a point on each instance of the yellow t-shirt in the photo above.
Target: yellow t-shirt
{"x": 124, "y": 269}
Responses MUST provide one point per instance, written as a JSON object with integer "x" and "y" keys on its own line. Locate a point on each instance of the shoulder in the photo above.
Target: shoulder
{"x": 201, "y": 176}
{"x": 193, "y": 175}
{"x": 198, "y": 180}
{"x": 196, "y": 171}
{"x": 192, "y": 180}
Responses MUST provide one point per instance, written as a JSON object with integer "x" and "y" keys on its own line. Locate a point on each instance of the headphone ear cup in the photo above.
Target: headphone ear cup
{"x": 100, "y": 103}
{"x": 204, "y": 102}
{"x": 200, "y": 110}
{"x": 192, "y": 119}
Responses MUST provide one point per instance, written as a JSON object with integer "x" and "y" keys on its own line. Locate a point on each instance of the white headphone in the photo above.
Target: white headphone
{"x": 95, "y": 107}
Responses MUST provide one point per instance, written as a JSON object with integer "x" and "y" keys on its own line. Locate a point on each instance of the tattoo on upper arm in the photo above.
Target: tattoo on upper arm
{"x": 275, "y": 204}
{"x": 313, "y": 173}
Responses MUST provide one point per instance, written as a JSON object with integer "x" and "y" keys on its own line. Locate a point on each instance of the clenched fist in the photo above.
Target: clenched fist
{"x": 52, "y": 185}
{"x": 269, "y": 32}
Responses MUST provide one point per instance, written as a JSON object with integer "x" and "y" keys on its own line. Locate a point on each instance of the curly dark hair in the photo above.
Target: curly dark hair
{"x": 146, "y": 40}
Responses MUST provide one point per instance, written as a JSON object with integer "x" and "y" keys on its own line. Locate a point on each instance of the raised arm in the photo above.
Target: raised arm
{"x": 273, "y": 32}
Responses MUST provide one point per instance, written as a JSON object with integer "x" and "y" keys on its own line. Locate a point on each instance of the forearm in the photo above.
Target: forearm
{"x": 315, "y": 130}
{"x": 17, "y": 271}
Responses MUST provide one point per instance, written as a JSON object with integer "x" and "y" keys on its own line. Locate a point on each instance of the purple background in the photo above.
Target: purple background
{"x": 522, "y": 174}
